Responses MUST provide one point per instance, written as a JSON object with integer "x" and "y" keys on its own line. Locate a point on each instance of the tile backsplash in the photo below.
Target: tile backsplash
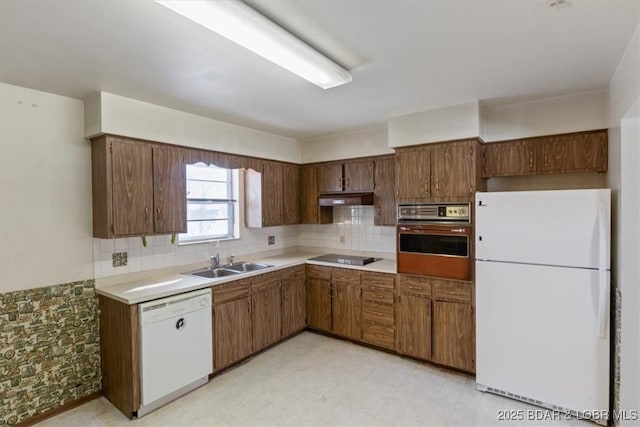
{"x": 352, "y": 229}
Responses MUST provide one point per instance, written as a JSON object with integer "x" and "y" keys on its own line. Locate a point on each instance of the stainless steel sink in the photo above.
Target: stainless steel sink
{"x": 245, "y": 267}
{"x": 215, "y": 272}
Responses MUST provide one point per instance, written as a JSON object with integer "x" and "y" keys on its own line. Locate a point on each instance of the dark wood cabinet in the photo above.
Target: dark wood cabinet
{"x": 564, "y": 153}
{"x": 169, "y": 190}
{"x": 272, "y": 194}
{"x": 384, "y": 195}
{"x": 266, "y": 310}
{"x": 232, "y": 323}
{"x": 378, "y": 309}
{"x": 413, "y": 317}
{"x": 413, "y": 174}
{"x": 294, "y": 309}
{"x": 318, "y": 283}
{"x": 351, "y": 176}
{"x": 138, "y": 188}
{"x": 453, "y": 335}
{"x": 330, "y": 177}
{"x": 291, "y": 194}
{"x": 447, "y": 171}
{"x": 346, "y": 307}
{"x": 358, "y": 176}
{"x": 310, "y": 212}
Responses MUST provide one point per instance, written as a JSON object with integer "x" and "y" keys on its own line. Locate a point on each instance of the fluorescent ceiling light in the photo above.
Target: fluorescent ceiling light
{"x": 241, "y": 24}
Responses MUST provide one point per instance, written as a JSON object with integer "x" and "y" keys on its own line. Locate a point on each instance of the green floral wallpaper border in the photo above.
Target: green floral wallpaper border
{"x": 49, "y": 349}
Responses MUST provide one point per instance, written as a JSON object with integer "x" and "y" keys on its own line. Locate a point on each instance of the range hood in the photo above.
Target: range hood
{"x": 345, "y": 199}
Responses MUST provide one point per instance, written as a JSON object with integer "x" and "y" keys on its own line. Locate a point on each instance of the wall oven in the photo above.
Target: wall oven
{"x": 435, "y": 239}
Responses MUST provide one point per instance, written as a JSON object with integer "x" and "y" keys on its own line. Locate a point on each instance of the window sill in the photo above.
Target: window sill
{"x": 197, "y": 242}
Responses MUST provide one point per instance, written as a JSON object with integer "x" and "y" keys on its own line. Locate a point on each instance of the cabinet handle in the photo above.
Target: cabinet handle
{"x": 531, "y": 160}
{"x": 416, "y": 288}
{"x": 546, "y": 159}
{"x": 146, "y": 214}
{"x": 158, "y": 213}
{"x": 346, "y": 182}
{"x": 437, "y": 186}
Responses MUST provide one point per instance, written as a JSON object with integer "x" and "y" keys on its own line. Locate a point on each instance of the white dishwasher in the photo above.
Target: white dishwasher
{"x": 175, "y": 347}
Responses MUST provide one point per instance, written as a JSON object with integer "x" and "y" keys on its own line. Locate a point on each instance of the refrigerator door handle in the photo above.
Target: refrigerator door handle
{"x": 603, "y": 274}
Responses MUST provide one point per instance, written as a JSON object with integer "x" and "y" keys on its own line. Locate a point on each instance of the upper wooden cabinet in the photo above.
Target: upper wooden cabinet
{"x": 350, "y": 176}
{"x": 139, "y": 188}
{"x": 566, "y": 153}
{"x": 445, "y": 171}
{"x": 291, "y": 194}
{"x": 384, "y": 195}
{"x": 310, "y": 212}
{"x": 272, "y": 194}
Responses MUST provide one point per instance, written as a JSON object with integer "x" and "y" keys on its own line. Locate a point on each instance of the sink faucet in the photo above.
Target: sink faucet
{"x": 215, "y": 261}
{"x": 231, "y": 259}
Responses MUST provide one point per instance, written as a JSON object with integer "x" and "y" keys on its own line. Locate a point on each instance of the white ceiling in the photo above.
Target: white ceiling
{"x": 405, "y": 56}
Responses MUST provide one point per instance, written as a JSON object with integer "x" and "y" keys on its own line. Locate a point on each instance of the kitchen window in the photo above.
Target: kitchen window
{"x": 212, "y": 204}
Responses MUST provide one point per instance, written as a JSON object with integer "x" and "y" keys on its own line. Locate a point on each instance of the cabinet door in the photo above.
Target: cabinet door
{"x": 232, "y": 332}
{"x": 581, "y": 152}
{"x": 293, "y": 301}
{"x": 272, "y": 194}
{"x": 330, "y": 178}
{"x": 413, "y": 174}
{"x": 291, "y": 194}
{"x": 509, "y": 158}
{"x": 413, "y": 326}
{"x": 132, "y": 172}
{"x": 346, "y": 310}
{"x": 308, "y": 195}
{"x": 384, "y": 193}
{"x": 266, "y": 314}
{"x": 453, "y": 340}
{"x": 358, "y": 176}
{"x": 169, "y": 190}
{"x": 319, "y": 304}
{"x": 453, "y": 170}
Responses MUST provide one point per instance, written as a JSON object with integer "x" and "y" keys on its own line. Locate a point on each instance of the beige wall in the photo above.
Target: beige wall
{"x": 624, "y": 180}
{"x": 548, "y": 116}
{"x": 442, "y": 124}
{"x": 45, "y": 190}
{"x": 368, "y": 142}
{"x": 119, "y": 115}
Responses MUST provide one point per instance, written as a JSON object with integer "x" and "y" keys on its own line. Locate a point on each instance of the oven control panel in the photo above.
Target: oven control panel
{"x": 434, "y": 213}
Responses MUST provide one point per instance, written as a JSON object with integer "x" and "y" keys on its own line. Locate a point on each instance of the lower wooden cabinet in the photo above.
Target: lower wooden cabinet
{"x": 378, "y": 310}
{"x": 319, "y": 304}
{"x": 294, "y": 309}
{"x": 413, "y": 325}
{"x": 346, "y": 307}
{"x": 266, "y": 310}
{"x": 453, "y": 335}
{"x": 232, "y": 335}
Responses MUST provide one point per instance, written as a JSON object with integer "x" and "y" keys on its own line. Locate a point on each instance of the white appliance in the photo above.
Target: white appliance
{"x": 175, "y": 347}
{"x": 542, "y": 298}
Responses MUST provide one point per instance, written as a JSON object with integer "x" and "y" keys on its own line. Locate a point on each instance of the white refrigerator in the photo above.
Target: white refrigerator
{"x": 542, "y": 298}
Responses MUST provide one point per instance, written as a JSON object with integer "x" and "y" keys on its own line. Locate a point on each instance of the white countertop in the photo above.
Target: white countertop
{"x": 164, "y": 284}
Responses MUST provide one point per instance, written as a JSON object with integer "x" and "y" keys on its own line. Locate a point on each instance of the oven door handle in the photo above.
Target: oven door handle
{"x": 438, "y": 231}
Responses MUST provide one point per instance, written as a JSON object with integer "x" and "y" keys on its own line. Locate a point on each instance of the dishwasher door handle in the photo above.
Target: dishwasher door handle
{"x": 180, "y": 323}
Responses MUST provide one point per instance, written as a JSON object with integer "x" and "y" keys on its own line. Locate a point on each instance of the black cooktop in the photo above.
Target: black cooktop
{"x": 346, "y": 259}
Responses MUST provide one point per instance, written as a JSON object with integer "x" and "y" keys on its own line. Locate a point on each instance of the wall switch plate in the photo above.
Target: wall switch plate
{"x": 271, "y": 240}
{"x": 119, "y": 259}
{"x": 342, "y": 239}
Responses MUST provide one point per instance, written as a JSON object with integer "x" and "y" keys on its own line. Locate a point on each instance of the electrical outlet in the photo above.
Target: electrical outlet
{"x": 271, "y": 240}
{"x": 119, "y": 259}
{"x": 342, "y": 239}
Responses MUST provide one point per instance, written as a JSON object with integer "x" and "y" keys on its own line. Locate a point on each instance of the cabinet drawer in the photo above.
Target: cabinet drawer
{"x": 381, "y": 280}
{"x": 293, "y": 273}
{"x": 378, "y": 335}
{"x": 452, "y": 290}
{"x": 414, "y": 285}
{"x": 265, "y": 281}
{"x": 378, "y": 313}
{"x": 346, "y": 275}
{"x": 231, "y": 291}
{"x": 318, "y": 272}
{"x": 377, "y": 295}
